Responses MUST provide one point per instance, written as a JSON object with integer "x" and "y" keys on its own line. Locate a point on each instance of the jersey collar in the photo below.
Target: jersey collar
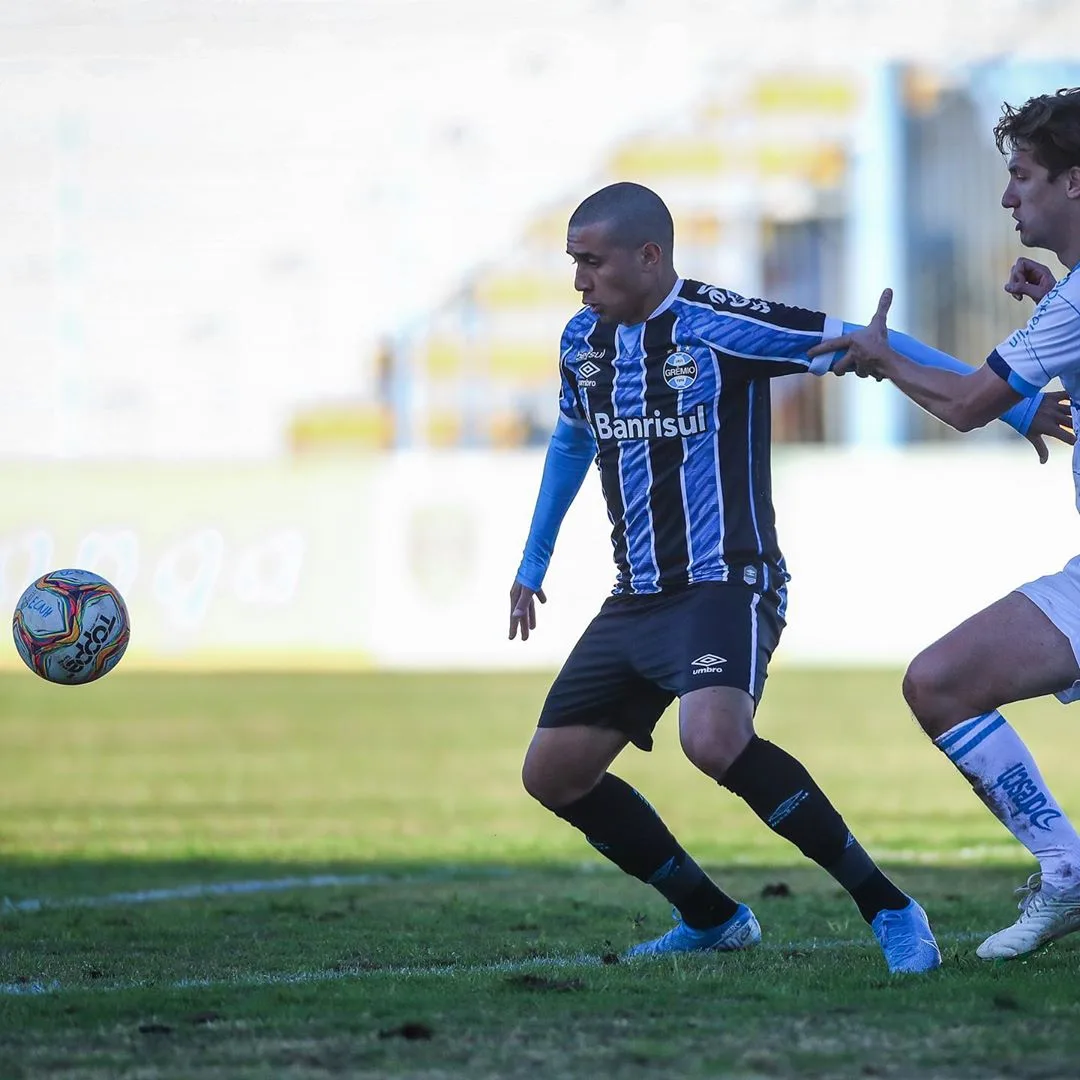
{"x": 664, "y": 305}
{"x": 668, "y": 300}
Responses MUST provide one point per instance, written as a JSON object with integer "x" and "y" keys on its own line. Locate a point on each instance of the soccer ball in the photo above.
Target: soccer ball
{"x": 71, "y": 626}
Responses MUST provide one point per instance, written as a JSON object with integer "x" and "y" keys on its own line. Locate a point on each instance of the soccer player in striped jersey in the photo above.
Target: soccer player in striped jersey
{"x": 665, "y": 383}
{"x": 1026, "y": 644}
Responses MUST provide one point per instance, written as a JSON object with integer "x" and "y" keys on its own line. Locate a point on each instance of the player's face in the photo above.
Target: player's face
{"x": 1039, "y": 205}
{"x": 615, "y": 282}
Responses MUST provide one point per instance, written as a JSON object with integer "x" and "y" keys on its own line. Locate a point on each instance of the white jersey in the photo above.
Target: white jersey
{"x": 1048, "y": 348}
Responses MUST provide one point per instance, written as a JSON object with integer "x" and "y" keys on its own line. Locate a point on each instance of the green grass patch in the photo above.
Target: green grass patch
{"x": 440, "y": 963}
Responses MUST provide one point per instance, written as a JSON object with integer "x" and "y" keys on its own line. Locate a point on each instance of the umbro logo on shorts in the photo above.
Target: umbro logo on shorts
{"x": 707, "y": 664}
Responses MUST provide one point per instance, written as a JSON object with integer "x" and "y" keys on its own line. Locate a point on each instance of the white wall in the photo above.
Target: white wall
{"x": 406, "y": 561}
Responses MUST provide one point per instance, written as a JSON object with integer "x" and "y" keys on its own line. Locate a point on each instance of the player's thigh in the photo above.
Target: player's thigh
{"x": 598, "y": 687}
{"x": 714, "y": 655}
{"x": 1009, "y": 651}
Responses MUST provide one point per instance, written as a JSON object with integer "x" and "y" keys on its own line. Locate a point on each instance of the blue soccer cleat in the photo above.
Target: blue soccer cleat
{"x": 741, "y": 931}
{"x": 906, "y": 939}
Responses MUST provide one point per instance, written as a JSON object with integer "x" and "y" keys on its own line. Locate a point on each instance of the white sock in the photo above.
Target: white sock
{"x": 997, "y": 764}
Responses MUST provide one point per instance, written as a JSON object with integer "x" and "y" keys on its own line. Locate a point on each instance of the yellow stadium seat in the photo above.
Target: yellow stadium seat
{"x": 341, "y": 426}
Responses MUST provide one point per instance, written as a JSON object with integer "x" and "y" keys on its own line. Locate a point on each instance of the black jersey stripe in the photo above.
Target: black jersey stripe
{"x": 760, "y": 442}
{"x": 740, "y": 533}
{"x": 666, "y": 457}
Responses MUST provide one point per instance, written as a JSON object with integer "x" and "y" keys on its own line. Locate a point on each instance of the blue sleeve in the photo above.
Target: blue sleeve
{"x": 1019, "y": 417}
{"x": 569, "y": 455}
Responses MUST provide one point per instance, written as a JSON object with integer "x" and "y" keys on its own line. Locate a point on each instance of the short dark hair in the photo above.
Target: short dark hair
{"x": 1048, "y": 125}
{"x": 635, "y": 214}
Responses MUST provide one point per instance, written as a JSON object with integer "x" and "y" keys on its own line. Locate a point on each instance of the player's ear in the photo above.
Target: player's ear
{"x": 651, "y": 255}
{"x": 1072, "y": 182}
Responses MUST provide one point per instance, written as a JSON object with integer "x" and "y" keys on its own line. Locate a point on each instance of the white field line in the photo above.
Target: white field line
{"x": 242, "y": 888}
{"x": 234, "y": 888}
{"x": 409, "y": 971}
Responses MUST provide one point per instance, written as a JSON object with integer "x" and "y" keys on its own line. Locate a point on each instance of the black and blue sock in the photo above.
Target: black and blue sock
{"x": 783, "y": 794}
{"x": 623, "y": 826}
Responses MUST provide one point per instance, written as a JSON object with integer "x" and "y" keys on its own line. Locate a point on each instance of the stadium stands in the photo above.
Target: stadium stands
{"x": 243, "y": 230}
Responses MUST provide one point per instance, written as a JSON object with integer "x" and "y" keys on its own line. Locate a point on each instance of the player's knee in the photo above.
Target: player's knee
{"x": 925, "y": 687}
{"x": 549, "y": 785}
{"x": 536, "y": 782}
{"x": 713, "y": 748}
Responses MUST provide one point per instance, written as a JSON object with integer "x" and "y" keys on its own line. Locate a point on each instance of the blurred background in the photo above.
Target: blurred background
{"x": 282, "y": 284}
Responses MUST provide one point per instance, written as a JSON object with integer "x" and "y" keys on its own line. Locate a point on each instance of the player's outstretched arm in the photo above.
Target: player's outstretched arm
{"x": 962, "y": 401}
{"x": 1041, "y": 415}
{"x": 1036, "y": 418}
{"x": 569, "y": 455}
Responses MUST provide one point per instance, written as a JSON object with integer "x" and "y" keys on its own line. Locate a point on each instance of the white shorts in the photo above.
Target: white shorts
{"x": 1057, "y": 596}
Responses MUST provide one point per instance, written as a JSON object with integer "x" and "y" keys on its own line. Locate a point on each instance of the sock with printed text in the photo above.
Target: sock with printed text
{"x": 782, "y": 793}
{"x": 997, "y": 764}
{"x": 623, "y": 826}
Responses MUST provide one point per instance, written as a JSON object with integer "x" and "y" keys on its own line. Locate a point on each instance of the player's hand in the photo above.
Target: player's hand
{"x": 1029, "y": 278}
{"x": 1053, "y": 420}
{"x": 866, "y": 348}
{"x": 523, "y": 607}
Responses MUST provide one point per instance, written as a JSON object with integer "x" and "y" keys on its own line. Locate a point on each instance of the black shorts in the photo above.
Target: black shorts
{"x": 641, "y": 652}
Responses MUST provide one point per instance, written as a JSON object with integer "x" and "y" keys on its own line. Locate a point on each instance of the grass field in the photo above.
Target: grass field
{"x": 310, "y": 876}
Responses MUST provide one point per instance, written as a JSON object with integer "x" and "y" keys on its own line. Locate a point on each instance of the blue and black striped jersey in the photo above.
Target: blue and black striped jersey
{"x": 679, "y": 406}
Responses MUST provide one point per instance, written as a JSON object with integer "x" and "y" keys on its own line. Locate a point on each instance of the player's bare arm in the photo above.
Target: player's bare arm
{"x": 964, "y": 402}
{"x": 1029, "y": 278}
{"x": 523, "y": 609}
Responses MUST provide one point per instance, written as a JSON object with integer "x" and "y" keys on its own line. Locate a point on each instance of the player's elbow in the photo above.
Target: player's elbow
{"x": 962, "y": 420}
{"x": 965, "y": 416}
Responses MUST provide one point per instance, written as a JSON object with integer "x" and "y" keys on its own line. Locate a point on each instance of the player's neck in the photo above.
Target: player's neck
{"x": 1070, "y": 254}
{"x": 654, "y": 299}
{"x": 1068, "y": 250}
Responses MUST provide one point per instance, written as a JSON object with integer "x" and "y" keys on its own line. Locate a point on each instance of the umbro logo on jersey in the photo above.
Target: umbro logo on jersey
{"x": 707, "y": 664}
{"x": 588, "y": 369}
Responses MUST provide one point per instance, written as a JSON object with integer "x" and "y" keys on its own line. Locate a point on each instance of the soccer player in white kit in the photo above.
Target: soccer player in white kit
{"x": 1026, "y": 644}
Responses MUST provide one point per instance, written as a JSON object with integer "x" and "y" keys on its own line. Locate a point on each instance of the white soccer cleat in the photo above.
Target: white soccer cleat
{"x": 1045, "y": 915}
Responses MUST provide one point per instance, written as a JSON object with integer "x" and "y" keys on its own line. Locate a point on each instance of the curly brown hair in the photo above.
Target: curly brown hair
{"x": 1048, "y": 125}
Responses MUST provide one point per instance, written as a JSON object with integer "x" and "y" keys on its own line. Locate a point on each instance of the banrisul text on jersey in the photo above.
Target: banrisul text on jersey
{"x": 656, "y": 426}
